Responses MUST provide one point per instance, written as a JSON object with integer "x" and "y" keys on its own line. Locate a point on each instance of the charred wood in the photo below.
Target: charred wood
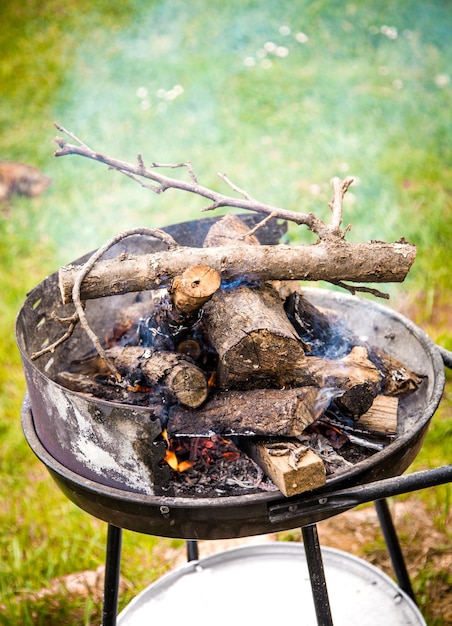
{"x": 265, "y": 412}
{"x": 156, "y": 370}
{"x": 326, "y": 335}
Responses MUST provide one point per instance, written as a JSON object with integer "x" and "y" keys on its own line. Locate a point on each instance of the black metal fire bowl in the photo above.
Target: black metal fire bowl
{"x": 90, "y": 446}
{"x": 220, "y": 518}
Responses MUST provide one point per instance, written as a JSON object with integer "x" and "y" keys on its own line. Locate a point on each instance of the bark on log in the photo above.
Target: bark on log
{"x": 290, "y": 465}
{"x": 82, "y": 383}
{"x": 326, "y": 335}
{"x": 333, "y": 261}
{"x": 255, "y": 342}
{"x": 157, "y": 370}
{"x": 264, "y": 412}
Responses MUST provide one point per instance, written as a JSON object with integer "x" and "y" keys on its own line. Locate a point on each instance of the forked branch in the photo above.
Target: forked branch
{"x": 160, "y": 183}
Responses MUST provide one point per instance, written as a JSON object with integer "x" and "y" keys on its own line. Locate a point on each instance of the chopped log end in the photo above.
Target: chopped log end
{"x": 293, "y": 470}
{"x": 358, "y": 399}
{"x": 194, "y": 287}
{"x": 188, "y": 384}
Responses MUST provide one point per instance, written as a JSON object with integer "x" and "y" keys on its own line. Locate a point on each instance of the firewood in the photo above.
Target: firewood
{"x": 293, "y": 467}
{"x": 336, "y": 262}
{"x": 247, "y": 323}
{"x": 355, "y": 375}
{"x": 382, "y": 416}
{"x": 397, "y": 378}
{"x": 276, "y": 412}
{"x": 157, "y": 370}
{"x": 230, "y": 230}
{"x": 325, "y": 334}
{"x": 194, "y": 287}
{"x": 332, "y": 261}
{"x": 87, "y": 385}
{"x": 255, "y": 342}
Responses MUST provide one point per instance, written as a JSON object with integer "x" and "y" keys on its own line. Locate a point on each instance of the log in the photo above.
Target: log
{"x": 263, "y": 412}
{"x": 160, "y": 371}
{"x": 293, "y": 467}
{"x": 326, "y": 335}
{"x": 194, "y": 287}
{"x": 89, "y": 386}
{"x": 355, "y": 375}
{"x": 397, "y": 378}
{"x": 247, "y": 324}
{"x": 329, "y": 260}
{"x": 255, "y": 342}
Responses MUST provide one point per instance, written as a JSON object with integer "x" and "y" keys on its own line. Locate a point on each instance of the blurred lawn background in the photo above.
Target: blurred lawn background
{"x": 281, "y": 97}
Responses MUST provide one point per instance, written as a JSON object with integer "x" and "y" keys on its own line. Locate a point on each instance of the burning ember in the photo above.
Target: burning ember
{"x": 211, "y": 466}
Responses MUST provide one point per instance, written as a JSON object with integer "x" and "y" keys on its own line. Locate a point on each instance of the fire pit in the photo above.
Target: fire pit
{"x": 106, "y": 456}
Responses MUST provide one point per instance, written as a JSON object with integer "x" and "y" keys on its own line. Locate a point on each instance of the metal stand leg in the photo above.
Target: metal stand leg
{"x": 192, "y": 550}
{"x": 317, "y": 575}
{"x": 393, "y": 545}
{"x": 112, "y": 572}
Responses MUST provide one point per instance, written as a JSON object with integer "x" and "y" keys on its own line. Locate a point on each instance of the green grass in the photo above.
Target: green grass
{"x": 345, "y": 94}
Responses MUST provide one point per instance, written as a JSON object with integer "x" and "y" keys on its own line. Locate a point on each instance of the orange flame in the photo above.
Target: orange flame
{"x": 171, "y": 457}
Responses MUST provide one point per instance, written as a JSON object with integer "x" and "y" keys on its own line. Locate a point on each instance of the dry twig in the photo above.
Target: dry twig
{"x": 139, "y": 171}
{"x": 72, "y": 323}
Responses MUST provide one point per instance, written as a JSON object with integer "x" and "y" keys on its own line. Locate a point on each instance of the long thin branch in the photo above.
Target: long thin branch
{"x": 138, "y": 171}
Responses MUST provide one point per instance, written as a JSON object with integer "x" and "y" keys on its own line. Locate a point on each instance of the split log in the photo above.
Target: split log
{"x": 160, "y": 371}
{"x": 330, "y": 260}
{"x": 293, "y": 467}
{"x": 264, "y": 412}
{"x": 381, "y": 418}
